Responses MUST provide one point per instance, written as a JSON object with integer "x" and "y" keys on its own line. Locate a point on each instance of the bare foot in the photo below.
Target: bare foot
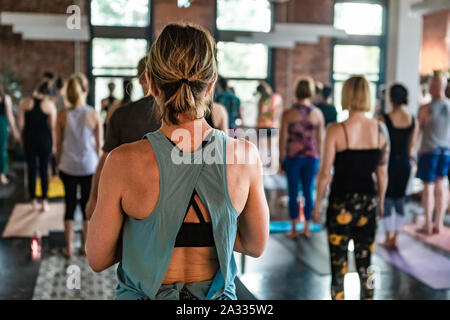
{"x": 45, "y": 206}
{"x": 305, "y": 233}
{"x": 425, "y": 230}
{"x": 34, "y": 204}
{"x": 436, "y": 230}
{"x": 393, "y": 244}
{"x": 293, "y": 235}
{"x": 67, "y": 253}
{"x": 387, "y": 243}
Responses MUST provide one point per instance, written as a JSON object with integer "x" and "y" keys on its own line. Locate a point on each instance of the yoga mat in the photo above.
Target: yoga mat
{"x": 313, "y": 252}
{"x": 418, "y": 261}
{"x": 24, "y": 222}
{"x": 441, "y": 240}
{"x": 55, "y": 188}
{"x": 284, "y": 226}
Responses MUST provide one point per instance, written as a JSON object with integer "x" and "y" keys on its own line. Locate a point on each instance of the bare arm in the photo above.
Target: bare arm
{"x": 59, "y": 129}
{"x": 326, "y": 163}
{"x": 53, "y": 117}
{"x": 10, "y": 117}
{"x": 22, "y": 107}
{"x": 381, "y": 172}
{"x": 283, "y": 137}
{"x": 414, "y": 139}
{"x": 320, "y": 134}
{"x": 253, "y": 222}
{"x": 103, "y": 246}
{"x": 98, "y": 132}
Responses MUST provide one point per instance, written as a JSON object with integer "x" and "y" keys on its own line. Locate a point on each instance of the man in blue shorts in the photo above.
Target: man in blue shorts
{"x": 434, "y": 154}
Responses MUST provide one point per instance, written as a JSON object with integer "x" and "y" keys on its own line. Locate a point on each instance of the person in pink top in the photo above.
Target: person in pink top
{"x": 301, "y": 137}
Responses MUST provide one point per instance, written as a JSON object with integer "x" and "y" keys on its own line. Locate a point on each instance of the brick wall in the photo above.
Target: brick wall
{"x": 201, "y": 12}
{"x": 30, "y": 58}
{"x": 305, "y": 59}
{"x": 435, "y": 42}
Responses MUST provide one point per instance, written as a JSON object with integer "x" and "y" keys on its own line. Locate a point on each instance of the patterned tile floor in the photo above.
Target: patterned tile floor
{"x": 62, "y": 279}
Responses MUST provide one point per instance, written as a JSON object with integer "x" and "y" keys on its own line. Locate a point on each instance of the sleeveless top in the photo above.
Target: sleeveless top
{"x": 2, "y": 106}
{"x": 400, "y": 137}
{"x": 301, "y": 141}
{"x": 36, "y": 128}
{"x": 436, "y": 132}
{"x": 79, "y": 156}
{"x": 269, "y": 112}
{"x": 147, "y": 244}
{"x": 354, "y": 169}
{"x": 110, "y": 100}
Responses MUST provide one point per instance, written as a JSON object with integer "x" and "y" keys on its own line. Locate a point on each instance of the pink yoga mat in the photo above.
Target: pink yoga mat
{"x": 441, "y": 240}
{"x": 420, "y": 262}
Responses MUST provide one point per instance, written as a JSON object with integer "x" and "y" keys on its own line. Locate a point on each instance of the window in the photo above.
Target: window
{"x": 362, "y": 53}
{"x": 359, "y": 18}
{"x": 120, "y": 33}
{"x": 248, "y": 15}
{"x": 243, "y": 64}
{"x": 120, "y": 13}
{"x": 242, "y": 60}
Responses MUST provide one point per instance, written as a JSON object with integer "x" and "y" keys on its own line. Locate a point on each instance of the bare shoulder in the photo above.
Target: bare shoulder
{"x": 129, "y": 159}
{"x": 48, "y": 106}
{"x": 26, "y": 103}
{"x": 243, "y": 152}
{"x": 333, "y": 129}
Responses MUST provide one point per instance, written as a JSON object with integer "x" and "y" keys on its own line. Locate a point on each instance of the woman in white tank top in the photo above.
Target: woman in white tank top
{"x": 78, "y": 143}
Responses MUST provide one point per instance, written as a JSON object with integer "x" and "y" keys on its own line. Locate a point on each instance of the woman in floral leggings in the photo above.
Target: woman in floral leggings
{"x": 358, "y": 149}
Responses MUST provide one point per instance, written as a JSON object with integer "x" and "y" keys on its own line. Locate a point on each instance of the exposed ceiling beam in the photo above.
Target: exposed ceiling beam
{"x": 430, "y": 6}
{"x": 34, "y": 26}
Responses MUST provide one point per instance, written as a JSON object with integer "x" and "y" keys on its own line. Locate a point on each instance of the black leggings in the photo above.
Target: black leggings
{"x": 351, "y": 217}
{"x": 70, "y": 186}
{"x": 34, "y": 152}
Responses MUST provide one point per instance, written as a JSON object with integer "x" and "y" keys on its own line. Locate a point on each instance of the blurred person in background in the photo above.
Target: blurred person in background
{"x": 7, "y": 121}
{"x": 301, "y": 140}
{"x": 270, "y": 107}
{"x": 128, "y": 124}
{"x": 108, "y": 103}
{"x": 358, "y": 149}
{"x": 434, "y": 154}
{"x": 403, "y": 132}
{"x": 225, "y": 96}
{"x": 326, "y": 106}
{"x": 37, "y": 119}
{"x": 79, "y": 135}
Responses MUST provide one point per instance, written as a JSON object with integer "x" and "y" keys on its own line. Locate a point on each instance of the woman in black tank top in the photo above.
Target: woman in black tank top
{"x": 6, "y": 121}
{"x": 358, "y": 149}
{"x": 37, "y": 127}
{"x": 402, "y": 142}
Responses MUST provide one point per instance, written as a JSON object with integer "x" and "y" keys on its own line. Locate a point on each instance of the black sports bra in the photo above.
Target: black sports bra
{"x": 193, "y": 234}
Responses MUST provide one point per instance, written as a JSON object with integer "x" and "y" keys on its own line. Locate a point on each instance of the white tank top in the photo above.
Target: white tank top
{"x": 79, "y": 156}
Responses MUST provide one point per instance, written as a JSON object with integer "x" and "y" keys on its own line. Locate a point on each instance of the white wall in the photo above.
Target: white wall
{"x": 404, "y": 47}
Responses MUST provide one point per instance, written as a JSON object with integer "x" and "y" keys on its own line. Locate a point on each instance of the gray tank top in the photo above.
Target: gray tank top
{"x": 436, "y": 133}
{"x": 79, "y": 156}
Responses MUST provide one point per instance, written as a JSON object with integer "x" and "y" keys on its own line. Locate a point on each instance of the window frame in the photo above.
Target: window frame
{"x": 365, "y": 40}
{"x": 230, "y": 35}
{"x": 114, "y": 32}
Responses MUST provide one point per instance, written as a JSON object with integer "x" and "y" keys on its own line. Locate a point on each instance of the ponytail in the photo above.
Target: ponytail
{"x": 77, "y": 85}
